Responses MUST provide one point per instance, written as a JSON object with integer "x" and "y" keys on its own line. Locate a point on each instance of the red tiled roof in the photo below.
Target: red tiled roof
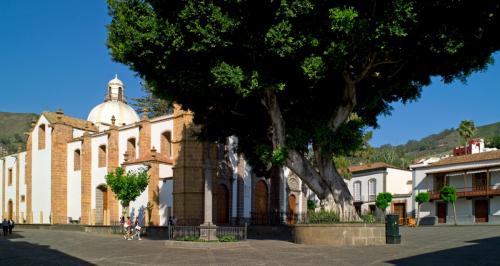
{"x": 371, "y": 166}
{"x": 476, "y": 157}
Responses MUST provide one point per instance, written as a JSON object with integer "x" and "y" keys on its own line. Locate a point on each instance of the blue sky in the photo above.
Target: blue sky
{"x": 53, "y": 54}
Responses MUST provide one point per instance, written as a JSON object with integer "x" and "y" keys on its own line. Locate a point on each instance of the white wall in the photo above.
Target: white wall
{"x": 77, "y": 133}
{"x": 98, "y": 173}
{"x": 398, "y": 181}
{"x": 495, "y": 206}
{"x": 166, "y": 199}
{"x": 137, "y": 208}
{"x": 10, "y": 190}
{"x": 22, "y": 185}
{"x": 158, "y": 127}
{"x": 74, "y": 181}
{"x": 41, "y": 173}
{"x": 364, "y": 177}
{"x": 123, "y": 137}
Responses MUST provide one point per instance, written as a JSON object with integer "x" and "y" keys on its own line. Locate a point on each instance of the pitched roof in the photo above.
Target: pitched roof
{"x": 476, "y": 157}
{"x": 371, "y": 166}
{"x": 70, "y": 121}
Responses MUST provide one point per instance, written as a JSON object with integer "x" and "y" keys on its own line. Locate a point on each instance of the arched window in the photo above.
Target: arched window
{"x": 166, "y": 144}
{"x": 357, "y": 190}
{"x": 131, "y": 148}
{"x": 41, "y": 137}
{"x": 77, "y": 160}
{"x": 372, "y": 189}
{"x": 10, "y": 177}
{"x": 102, "y": 156}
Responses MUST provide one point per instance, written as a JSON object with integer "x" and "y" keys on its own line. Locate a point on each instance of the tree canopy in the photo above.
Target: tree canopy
{"x": 466, "y": 130}
{"x": 383, "y": 200}
{"x": 288, "y": 77}
{"x": 127, "y": 186}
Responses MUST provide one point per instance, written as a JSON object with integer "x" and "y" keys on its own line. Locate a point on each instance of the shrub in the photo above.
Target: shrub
{"x": 311, "y": 205}
{"x": 324, "y": 217}
{"x": 383, "y": 200}
{"x": 368, "y": 218}
{"x": 227, "y": 238}
{"x": 188, "y": 238}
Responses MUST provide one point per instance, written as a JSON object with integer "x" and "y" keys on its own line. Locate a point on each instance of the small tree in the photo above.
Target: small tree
{"x": 466, "y": 130}
{"x": 383, "y": 200}
{"x": 421, "y": 198}
{"x": 449, "y": 194}
{"x": 127, "y": 186}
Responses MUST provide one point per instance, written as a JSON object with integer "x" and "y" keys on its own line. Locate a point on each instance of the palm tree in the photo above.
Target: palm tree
{"x": 466, "y": 130}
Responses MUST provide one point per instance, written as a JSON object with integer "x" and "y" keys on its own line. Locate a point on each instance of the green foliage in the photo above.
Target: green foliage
{"x": 383, "y": 200}
{"x": 492, "y": 142}
{"x": 227, "y": 238}
{"x": 127, "y": 186}
{"x": 449, "y": 194}
{"x": 343, "y": 164}
{"x": 220, "y": 59}
{"x": 422, "y": 197}
{"x": 189, "y": 238}
{"x": 466, "y": 129}
{"x": 323, "y": 217}
{"x": 368, "y": 218}
{"x": 13, "y": 126}
{"x": 311, "y": 205}
{"x": 152, "y": 104}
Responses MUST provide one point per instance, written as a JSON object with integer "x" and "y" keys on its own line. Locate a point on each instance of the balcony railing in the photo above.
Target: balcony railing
{"x": 478, "y": 191}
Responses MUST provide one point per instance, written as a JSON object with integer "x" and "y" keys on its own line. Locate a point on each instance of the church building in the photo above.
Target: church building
{"x": 60, "y": 178}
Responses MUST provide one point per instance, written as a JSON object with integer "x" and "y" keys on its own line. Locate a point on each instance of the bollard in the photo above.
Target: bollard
{"x": 392, "y": 235}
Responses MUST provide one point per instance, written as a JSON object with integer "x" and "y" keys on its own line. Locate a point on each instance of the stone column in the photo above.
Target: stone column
{"x": 208, "y": 230}
{"x": 153, "y": 190}
{"x": 112, "y": 202}
{"x": 29, "y": 210}
{"x": 86, "y": 178}
{"x": 18, "y": 163}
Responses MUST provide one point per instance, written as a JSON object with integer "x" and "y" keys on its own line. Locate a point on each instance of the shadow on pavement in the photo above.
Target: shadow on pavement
{"x": 24, "y": 253}
{"x": 477, "y": 252}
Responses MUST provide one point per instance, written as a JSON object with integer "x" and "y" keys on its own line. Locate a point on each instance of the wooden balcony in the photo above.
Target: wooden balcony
{"x": 471, "y": 192}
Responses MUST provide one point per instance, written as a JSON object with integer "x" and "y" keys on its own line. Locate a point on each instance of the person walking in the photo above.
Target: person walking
{"x": 129, "y": 228}
{"x": 137, "y": 229}
{"x": 5, "y": 227}
{"x": 11, "y": 226}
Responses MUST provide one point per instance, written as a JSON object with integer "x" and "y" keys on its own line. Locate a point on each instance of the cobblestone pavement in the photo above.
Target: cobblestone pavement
{"x": 446, "y": 245}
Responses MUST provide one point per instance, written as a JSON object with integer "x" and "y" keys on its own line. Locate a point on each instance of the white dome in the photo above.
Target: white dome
{"x": 124, "y": 114}
{"x": 115, "y": 105}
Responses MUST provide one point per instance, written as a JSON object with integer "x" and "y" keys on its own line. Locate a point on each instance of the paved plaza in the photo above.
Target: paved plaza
{"x": 447, "y": 245}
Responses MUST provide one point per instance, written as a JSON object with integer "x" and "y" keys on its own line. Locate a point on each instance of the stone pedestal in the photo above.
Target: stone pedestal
{"x": 208, "y": 232}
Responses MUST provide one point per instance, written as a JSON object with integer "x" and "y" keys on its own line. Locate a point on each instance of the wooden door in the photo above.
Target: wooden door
{"x": 400, "y": 209}
{"x": 481, "y": 211}
{"x": 222, "y": 205}
{"x": 441, "y": 212}
{"x": 10, "y": 210}
{"x": 261, "y": 211}
{"x": 292, "y": 203}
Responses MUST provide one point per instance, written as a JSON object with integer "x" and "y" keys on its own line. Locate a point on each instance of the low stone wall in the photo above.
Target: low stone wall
{"x": 339, "y": 234}
{"x": 269, "y": 232}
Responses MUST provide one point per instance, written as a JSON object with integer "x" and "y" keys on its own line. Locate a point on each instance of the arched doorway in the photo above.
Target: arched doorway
{"x": 10, "y": 209}
{"x": 101, "y": 204}
{"x": 221, "y": 205}
{"x": 261, "y": 215}
{"x": 292, "y": 203}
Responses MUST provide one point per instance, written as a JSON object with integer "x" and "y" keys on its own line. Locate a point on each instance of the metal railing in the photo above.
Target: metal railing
{"x": 475, "y": 191}
{"x": 194, "y": 233}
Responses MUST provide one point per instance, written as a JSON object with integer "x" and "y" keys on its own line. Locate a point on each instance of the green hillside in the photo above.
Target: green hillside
{"x": 12, "y": 128}
{"x": 436, "y": 144}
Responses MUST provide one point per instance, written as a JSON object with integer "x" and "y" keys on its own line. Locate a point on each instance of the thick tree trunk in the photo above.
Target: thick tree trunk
{"x": 323, "y": 179}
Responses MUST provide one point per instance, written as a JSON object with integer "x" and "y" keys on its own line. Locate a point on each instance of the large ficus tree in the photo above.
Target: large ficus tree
{"x": 296, "y": 81}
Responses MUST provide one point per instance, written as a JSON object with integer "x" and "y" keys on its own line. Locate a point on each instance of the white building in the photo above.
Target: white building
{"x": 477, "y": 180}
{"x": 60, "y": 178}
{"x": 369, "y": 180}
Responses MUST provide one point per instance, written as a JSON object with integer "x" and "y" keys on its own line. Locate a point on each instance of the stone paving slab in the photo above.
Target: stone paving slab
{"x": 462, "y": 245}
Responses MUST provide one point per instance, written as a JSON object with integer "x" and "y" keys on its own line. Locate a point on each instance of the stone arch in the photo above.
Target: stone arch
{"x": 221, "y": 204}
{"x": 131, "y": 148}
{"x": 293, "y": 183}
{"x": 166, "y": 144}
{"x": 101, "y": 204}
